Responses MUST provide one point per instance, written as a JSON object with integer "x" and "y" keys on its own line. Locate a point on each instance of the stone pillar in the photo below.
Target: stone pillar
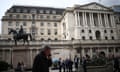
{"x": 113, "y": 21}
{"x": 107, "y": 51}
{"x": 99, "y": 21}
{"x": 106, "y": 18}
{"x": 100, "y": 17}
{"x": 91, "y": 54}
{"x": 83, "y": 52}
{"x": 78, "y": 19}
{"x": 85, "y": 19}
{"x": 92, "y": 21}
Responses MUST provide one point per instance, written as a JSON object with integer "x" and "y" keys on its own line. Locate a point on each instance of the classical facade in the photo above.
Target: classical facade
{"x": 78, "y": 30}
{"x": 42, "y": 22}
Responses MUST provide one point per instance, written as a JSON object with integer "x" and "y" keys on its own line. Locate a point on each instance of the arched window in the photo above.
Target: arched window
{"x": 97, "y": 34}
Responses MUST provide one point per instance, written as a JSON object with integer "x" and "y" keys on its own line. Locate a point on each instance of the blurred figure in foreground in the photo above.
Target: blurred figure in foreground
{"x": 42, "y": 61}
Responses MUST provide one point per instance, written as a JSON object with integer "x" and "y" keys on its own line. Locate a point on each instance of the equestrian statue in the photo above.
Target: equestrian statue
{"x": 20, "y": 35}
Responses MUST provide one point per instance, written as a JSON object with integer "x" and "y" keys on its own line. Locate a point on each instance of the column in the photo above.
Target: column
{"x": 91, "y": 54}
{"x": 99, "y": 22}
{"x": 107, "y": 51}
{"x": 92, "y": 21}
{"x": 101, "y": 25}
{"x": 83, "y": 52}
{"x": 113, "y": 21}
{"x": 76, "y": 21}
{"x": 83, "y": 14}
{"x": 78, "y": 18}
{"x": 85, "y": 20}
{"x": 106, "y": 18}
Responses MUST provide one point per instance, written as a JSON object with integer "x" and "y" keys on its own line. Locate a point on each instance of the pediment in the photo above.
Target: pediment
{"x": 94, "y": 6}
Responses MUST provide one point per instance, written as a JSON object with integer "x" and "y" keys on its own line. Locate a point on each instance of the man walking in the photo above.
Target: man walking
{"x": 42, "y": 61}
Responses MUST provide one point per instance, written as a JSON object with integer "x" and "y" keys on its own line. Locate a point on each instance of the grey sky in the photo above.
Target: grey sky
{"x": 6, "y": 4}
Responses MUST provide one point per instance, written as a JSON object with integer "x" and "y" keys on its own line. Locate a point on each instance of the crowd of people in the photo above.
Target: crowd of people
{"x": 43, "y": 61}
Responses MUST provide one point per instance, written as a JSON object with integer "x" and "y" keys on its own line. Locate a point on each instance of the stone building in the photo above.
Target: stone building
{"x": 78, "y": 30}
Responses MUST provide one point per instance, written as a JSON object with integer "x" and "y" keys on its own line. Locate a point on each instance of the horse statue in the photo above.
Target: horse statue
{"x": 17, "y": 36}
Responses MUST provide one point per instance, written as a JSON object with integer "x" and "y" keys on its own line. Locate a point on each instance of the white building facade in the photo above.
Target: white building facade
{"x": 79, "y": 30}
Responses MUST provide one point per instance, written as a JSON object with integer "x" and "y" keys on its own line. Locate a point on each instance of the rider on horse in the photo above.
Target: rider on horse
{"x": 21, "y": 31}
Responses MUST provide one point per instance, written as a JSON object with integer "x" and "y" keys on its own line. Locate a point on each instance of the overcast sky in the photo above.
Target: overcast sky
{"x": 6, "y": 4}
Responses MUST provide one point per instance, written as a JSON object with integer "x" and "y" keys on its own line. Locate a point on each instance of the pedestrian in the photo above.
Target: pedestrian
{"x": 19, "y": 67}
{"x": 42, "y": 61}
{"x": 116, "y": 64}
{"x": 76, "y": 62}
{"x": 70, "y": 65}
{"x": 63, "y": 65}
{"x": 84, "y": 64}
{"x": 60, "y": 64}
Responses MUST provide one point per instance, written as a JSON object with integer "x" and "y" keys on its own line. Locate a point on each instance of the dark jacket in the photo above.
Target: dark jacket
{"x": 41, "y": 63}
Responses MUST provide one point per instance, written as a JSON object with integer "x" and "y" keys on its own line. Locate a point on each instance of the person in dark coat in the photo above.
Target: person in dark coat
{"x": 84, "y": 64}
{"x": 116, "y": 65}
{"x": 42, "y": 61}
{"x": 76, "y": 62}
{"x": 60, "y": 64}
{"x": 70, "y": 65}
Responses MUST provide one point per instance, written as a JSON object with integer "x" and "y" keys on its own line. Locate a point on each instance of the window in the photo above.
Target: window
{"x": 33, "y": 11}
{"x": 56, "y": 39}
{"x": 41, "y": 16}
{"x": 24, "y": 16}
{"x": 53, "y": 12}
{"x": 42, "y": 31}
{"x": 10, "y": 15}
{"x": 105, "y": 31}
{"x": 9, "y": 23}
{"x": 54, "y": 17}
{"x": 116, "y": 49}
{"x": 24, "y": 24}
{"x": 49, "y": 31}
{"x": 48, "y": 17}
{"x": 111, "y": 31}
{"x": 17, "y": 23}
{"x": 33, "y": 22}
{"x": 55, "y": 24}
{"x": 42, "y": 39}
{"x": 33, "y": 16}
{"x": 18, "y": 10}
{"x": 49, "y": 39}
{"x": 113, "y": 38}
{"x": 25, "y": 10}
{"x": 41, "y": 24}
{"x": 89, "y": 31}
{"x": 41, "y": 11}
{"x": 91, "y": 38}
{"x": 83, "y": 37}
{"x": 82, "y": 31}
{"x": 47, "y": 11}
{"x": 17, "y": 16}
{"x": 106, "y": 38}
{"x": 49, "y": 24}
{"x": 55, "y": 31}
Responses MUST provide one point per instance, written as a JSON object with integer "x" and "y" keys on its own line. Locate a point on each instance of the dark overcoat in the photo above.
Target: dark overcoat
{"x": 41, "y": 63}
